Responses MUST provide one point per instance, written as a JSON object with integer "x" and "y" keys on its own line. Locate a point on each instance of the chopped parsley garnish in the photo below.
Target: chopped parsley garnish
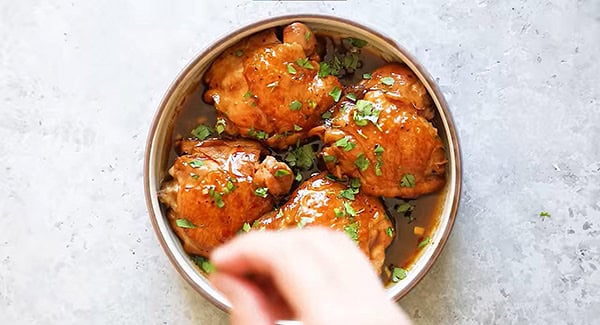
{"x": 349, "y": 210}
{"x": 194, "y": 176}
{"x": 185, "y": 223}
{"x": 246, "y": 227}
{"x": 379, "y": 154}
{"x": 388, "y": 81}
{"x": 362, "y": 162}
{"x": 336, "y": 94}
{"x": 298, "y": 177}
{"x": 312, "y": 104}
{"x": 345, "y": 143}
{"x": 338, "y": 212}
{"x": 352, "y": 230}
{"x": 305, "y": 63}
{"x": 273, "y": 84}
{"x": 355, "y": 183}
{"x": 262, "y": 192}
{"x": 357, "y": 42}
{"x": 220, "y": 126}
{"x": 291, "y": 69}
{"x": 405, "y": 207}
{"x": 204, "y": 264}
{"x": 248, "y": 94}
{"x": 302, "y": 157}
{"x": 367, "y": 76}
{"x": 261, "y": 135}
{"x": 295, "y": 105}
{"x": 545, "y": 214}
{"x": 347, "y": 194}
{"x": 326, "y": 115}
{"x": 196, "y": 163}
{"x": 307, "y": 35}
{"x": 201, "y": 132}
{"x": 239, "y": 53}
{"x": 281, "y": 173}
{"x": 351, "y": 97}
{"x": 408, "y": 180}
{"x": 329, "y": 158}
{"x": 297, "y": 127}
{"x": 324, "y": 70}
{"x": 424, "y": 242}
{"x": 398, "y": 274}
{"x": 390, "y": 231}
{"x": 217, "y": 197}
{"x": 365, "y": 113}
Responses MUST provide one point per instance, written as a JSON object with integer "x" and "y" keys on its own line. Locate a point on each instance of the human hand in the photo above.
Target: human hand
{"x": 316, "y": 276}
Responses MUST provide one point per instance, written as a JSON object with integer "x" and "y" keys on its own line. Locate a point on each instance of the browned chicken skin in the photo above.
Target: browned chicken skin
{"x": 385, "y": 139}
{"x": 269, "y": 90}
{"x": 212, "y": 193}
{"x": 320, "y": 201}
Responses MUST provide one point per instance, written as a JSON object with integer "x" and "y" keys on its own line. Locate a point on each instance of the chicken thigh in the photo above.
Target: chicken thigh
{"x": 268, "y": 90}
{"x": 218, "y": 186}
{"x": 321, "y": 201}
{"x": 385, "y": 138}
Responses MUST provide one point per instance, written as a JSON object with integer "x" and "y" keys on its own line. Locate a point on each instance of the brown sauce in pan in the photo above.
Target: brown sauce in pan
{"x": 404, "y": 249}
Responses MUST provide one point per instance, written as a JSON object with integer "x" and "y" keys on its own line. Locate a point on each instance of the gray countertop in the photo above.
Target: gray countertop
{"x": 80, "y": 81}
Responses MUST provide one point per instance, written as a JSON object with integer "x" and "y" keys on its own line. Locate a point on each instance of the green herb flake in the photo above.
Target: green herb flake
{"x": 261, "y": 192}
{"x": 336, "y": 94}
{"x": 307, "y": 35}
{"x": 291, "y": 69}
{"x": 201, "y": 132}
{"x": 362, "y": 162}
{"x": 357, "y": 42}
{"x": 388, "y": 81}
{"x": 398, "y": 274}
{"x": 297, "y": 128}
{"x": 367, "y": 76}
{"x": 229, "y": 187}
{"x": 302, "y": 157}
{"x": 328, "y": 158}
{"x": 378, "y": 149}
{"x": 185, "y": 223}
{"x": 324, "y": 70}
{"x": 545, "y": 214}
{"x": 196, "y": 163}
{"x": 349, "y": 209}
{"x": 239, "y": 53}
{"x": 312, "y": 104}
{"x": 305, "y": 63}
{"x": 355, "y": 183}
{"x": 295, "y": 105}
{"x": 248, "y": 94}
{"x": 352, "y": 230}
{"x": 261, "y": 135}
{"x": 345, "y": 143}
{"x": 424, "y": 242}
{"x": 194, "y": 176}
{"x": 281, "y": 173}
{"x": 379, "y": 154}
{"x": 408, "y": 180}
{"x": 204, "y": 264}
{"x": 404, "y": 207}
{"x": 365, "y": 113}
{"x": 246, "y": 227}
{"x": 273, "y": 84}
{"x": 217, "y": 197}
{"x": 390, "y": 231}
{"x": 326, "y": 115}
{"x": 220, "y": 125}
{"x": 338, "y": 212}
{"x": 351, "y": 97}
{"x": 347, "y": 194}
{"x": 298, "y": 177}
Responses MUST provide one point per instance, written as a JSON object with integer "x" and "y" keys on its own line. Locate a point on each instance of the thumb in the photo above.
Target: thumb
{"x": 249, "y": 305}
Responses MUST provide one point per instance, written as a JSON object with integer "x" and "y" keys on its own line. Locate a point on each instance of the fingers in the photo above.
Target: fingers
{"x": 249, "y": 306}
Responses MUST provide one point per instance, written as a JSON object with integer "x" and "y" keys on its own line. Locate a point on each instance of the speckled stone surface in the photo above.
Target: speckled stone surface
{"x": 80, "y": 81}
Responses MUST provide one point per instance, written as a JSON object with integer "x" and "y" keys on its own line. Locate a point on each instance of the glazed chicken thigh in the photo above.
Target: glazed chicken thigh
{"x": 384, "y": 138}
{"x": 320, "y": 201}
{"x": 268, "y": 90}
{"x": 218, "y": 186}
